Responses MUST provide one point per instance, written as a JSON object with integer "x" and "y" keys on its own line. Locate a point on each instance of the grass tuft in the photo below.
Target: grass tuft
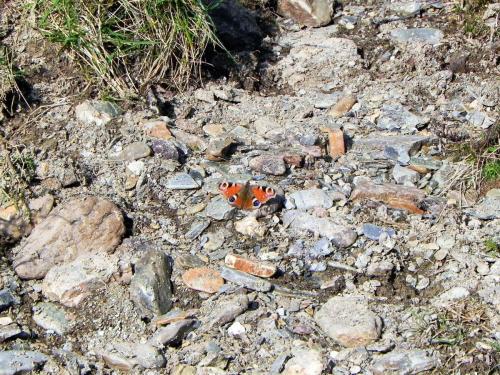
{"x": 127, "y": 44}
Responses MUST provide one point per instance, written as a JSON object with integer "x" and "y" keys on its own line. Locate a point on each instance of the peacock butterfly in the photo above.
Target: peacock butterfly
{"x": 246, "y": 196}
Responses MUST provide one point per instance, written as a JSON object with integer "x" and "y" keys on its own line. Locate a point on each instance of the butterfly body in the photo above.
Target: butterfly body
{"x": 246, "y": 196}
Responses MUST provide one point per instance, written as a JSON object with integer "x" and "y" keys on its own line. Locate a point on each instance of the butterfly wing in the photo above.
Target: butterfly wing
{"x": 260, "y": 195}
{"x": 232, "y": 191}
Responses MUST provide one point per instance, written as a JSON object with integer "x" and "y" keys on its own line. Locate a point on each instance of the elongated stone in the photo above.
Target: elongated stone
{"x": 246, "y": 280}
{"x": 203, "y": 279}
{"x": 249, "y": 266}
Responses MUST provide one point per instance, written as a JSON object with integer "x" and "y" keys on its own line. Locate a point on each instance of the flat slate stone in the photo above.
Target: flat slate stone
{"x": 20, "y": 361}
{"x": 424, "y": 35}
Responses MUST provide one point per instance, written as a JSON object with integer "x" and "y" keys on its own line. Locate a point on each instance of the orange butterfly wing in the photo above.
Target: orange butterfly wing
{"x": 231, "y": 191}
{"x": 246, "y": 197}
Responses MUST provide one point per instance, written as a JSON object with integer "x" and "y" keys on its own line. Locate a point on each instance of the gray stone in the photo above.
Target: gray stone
{"x": 373, "y": 232}
{"x": 172, "y": 334}
{"x": 9, "y": 332}
{"x": 150, "y": 286}
{"x": 51, "y": 318}
{"x": 348, "y": 321}
{"x": 305, "y": 361}
{"x": 6, "y": 299}
{"x": 94, "y": 112}
{"x": 227, "y": 310}
{"x": 79, "y": 226}
{"x": 405, "y": 176}
{"x": 268, "y": 164}
{"x": 165, "y": 149}
{"x": 246, "y": 280}
{"x": 321, "y": 248}
{"x": 313, "y": 13}
{"x": 133, "y": 151}
{"x": 382, "y": 268}
{"x": 405, "y": 362}
{"x": 197, "y": 228}
{"x": 425, "y": 162}
{"x": 306, "y": 199}
{"x": 182, "y": 181}
{"x": 417, "y": 35}
{"x": 395, "y": 117}
{"x": 487, "y": 209}
{"x": 13, "y": 362}
{"x": 406, "y": 8}
{"x": 390, "y": 146}
{"x": 340, "y": 235}
{"x": 278, "y": 364}
{"x": 219, "y": 209}
{"x": 125, "y": 355}
{"x": 451, "y": 296}
{"x": 70, "y": 283}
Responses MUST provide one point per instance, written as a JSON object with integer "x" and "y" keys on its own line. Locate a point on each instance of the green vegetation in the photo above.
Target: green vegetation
{"x": 492, "y": 247}
{"x": 470, "y": 13}
{"x": 126, "y": 44}
{"x": 9, "y": 77}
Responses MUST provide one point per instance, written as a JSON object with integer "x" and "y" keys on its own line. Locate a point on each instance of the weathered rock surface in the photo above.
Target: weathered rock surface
{"x": 150, "y": 286}
{"x": 305, "y": 361}
{"x": 405, "y": 362}
{"x": 203, "y": 279}
{"x": 307, "y": 12}
{"x": 79, "y": 226}
{"x": 348, "y": 321}
{"x": 252, "y": 267}
{"x": 14, "y": 362}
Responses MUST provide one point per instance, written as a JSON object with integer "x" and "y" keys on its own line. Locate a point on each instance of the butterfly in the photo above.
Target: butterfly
{"x": 246, "y": 196}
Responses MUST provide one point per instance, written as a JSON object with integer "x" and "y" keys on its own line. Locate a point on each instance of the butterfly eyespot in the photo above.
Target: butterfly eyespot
{"x": 256, "y": 203}
{"x": 224, "y": 185}
{"x": 232, "y": 199}
{"x": 269, "y": 190}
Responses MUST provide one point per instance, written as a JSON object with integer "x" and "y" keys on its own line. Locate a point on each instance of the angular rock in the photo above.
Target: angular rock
{"x": 396, "y": 196}
{"x": 150, "y": 286}
{"x": 203, "y": 279}
{"x": 219, "y": 209}
{"x": 268, "y": 164}
{"x": 343, "y": 106}
{"x": 226, "y": 311}
{"x": 405, "y": 176}
{"x": 451, "y": 296}
{"x": 197, "y": 228}
{"x": 94, "y": 112}
{"x": 219, "y": 148}
{"x": 182, "y": 181}
{"x": 348, "y": 321}
{"x": 307, "y": 199}
{"x": 157, "y": 129}
{"x": 305, "y": 361}
{"x": 395, "y": 117}
{"x": 125, "y": 355}
{"x": 340, "y": 235}
{"x": 165, "y": 149}
{"x": 373, "y": 232}
{"x": 384, "y": 146}
{"x": 81, "y": 225}
{"x": 9, "y": 332}
{"x": 172, "y": 334}
{"x": 313, "y": 13}
{"x": 487, "y": 209}
{"x": 336, "y": 143}
{"x": 405, "y": 362}
{"x": 133, "y": 151}
{"x": 424, "y": 35}
{"x": 6, "y": 299}
{"x": 249, "y": 226}
{"x": 51, "y": 317}
{"x": 13, "y": 362}
{"x": 70, "y": 283}
{"x": 406, "y": 8}
{"x": 245, "y": 280}
{"x": 248, "y": 266}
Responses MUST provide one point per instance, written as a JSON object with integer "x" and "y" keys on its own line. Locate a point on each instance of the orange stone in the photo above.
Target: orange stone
{"x": 343, "y": 106}
{"x": 250, "y": 266}
{"x": 336, "y": 142}
{"x": 396, "y": 196}
{"x": 203, "y": 279}
{"x": 157, "y": 129}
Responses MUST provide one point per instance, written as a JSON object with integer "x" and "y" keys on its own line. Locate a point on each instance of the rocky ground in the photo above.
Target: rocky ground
{"x": 379, "y": 255}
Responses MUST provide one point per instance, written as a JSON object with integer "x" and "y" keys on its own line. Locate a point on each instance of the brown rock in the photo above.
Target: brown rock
{"x": 194, "y": 142}
{"x": 269, "y": 164}
{"x": 82, "y": 225}
{"x": 397, "y": 196}
{"x": 336, "y": 143}
{"x": 157, "y": 129}
{"x": 250, "y": 266}
{"x": 203, "y": 279}
{"x": 343, "y": 106}
{"x": 219, "y": 148}
{"x": 313, "y": 13}
{"x": 294, "y": 159}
